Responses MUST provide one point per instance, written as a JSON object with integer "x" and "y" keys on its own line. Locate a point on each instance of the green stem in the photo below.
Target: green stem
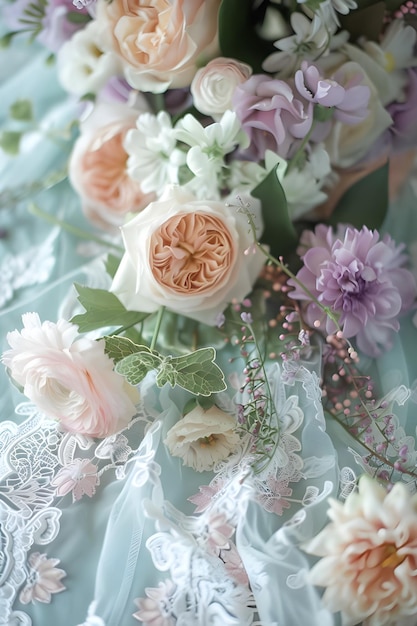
{"x": 78, "y": 232}
{"x": 157, "y": 102}
{"x": 122, "y": 329}
{"x": 161, "y": 312}
{"x": 281, "y": 265}
{"x": 293, "y": 162}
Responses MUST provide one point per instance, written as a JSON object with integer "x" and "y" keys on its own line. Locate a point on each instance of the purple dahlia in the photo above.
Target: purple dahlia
{"x": 361, "y": 278}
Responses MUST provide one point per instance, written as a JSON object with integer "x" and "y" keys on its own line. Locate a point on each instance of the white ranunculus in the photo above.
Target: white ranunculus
{"x": 213, "y": 85}
{"x": 188, "y": 255}
{"x": 83, "y": 65}
{"x": 203, "y": 438}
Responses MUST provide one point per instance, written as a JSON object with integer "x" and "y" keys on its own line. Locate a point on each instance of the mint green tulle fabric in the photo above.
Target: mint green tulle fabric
{"x": 140, "y": 527}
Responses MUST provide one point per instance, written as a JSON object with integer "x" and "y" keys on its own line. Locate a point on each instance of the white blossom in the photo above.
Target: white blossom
{"x": 154, "y": 158}
{"x": 83, "y": 65}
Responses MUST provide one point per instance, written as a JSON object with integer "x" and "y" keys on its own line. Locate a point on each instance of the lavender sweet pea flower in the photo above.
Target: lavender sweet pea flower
{"x": 361, "y": 278}
{"x": 55, "y": 26}
{"x": 270, "y": 115}
{"x": 354, "y": 107}
{"x": 349, "y": 102}
{"x": 314, "y": 88}
{"x": 404, "y": 114}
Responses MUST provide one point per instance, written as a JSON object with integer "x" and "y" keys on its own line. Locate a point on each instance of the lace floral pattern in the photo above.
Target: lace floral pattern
{"x": 201, "y": 576}
{"x": 40, "y": 464}
{"x": 31, "y": 267}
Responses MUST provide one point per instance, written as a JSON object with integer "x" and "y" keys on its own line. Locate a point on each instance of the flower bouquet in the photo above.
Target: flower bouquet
{"x": 217, "y": 345}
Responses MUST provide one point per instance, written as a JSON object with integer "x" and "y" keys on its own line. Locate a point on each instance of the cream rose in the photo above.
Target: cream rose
{"x": 347, "y": 144}
{"x": 203, "y": 438}
{"x": 188, "y": 255}
{"x": 213, "y": 85}
{"x": 98, "y": 166}
{"x": 161, "y": 42}
{"x": 70, "y": 380}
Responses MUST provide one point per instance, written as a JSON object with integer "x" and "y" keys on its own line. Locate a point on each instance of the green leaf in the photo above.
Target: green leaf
{"x": 238, "y": 38}
{"x": 6, "y": 39}
{"x": 76, "y": 17}
{"x": 135, "y": 366}
{"x": 10, "y": 141}
{"x": 365, "y": 203}
{"x": 88, "y": 97}
{"x": 21, "y": 110}
{"x": 196, "y": 372}
{"x": 279, "y": 232}
{"x": 103, "y": 309}
{"x": 112, "y": 263}
{"x": 118, "y": 348}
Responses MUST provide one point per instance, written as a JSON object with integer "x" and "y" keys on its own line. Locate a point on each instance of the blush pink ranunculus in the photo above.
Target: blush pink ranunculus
{"x": 161, "y": 42}
{"x": 188, "y": 255}
{"x": 71, "y": 380}
{"x": 97, "y": 167}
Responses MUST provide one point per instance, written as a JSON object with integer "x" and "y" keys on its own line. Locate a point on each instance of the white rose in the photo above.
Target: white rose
{"x": 213, "y": 85}
{"x": 203, "y": 438}
{"x": 347, "y": 144}
{"x": 83, "y": 65}
{"x": 188, "y": 255}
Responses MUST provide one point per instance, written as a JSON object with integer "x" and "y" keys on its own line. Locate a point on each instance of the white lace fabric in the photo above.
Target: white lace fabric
{"x": 191, "y": 548}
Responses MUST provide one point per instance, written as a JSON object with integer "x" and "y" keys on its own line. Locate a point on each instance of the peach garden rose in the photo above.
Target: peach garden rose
{"x": 71, "y": 380}
{"x": 97, "y": 167}
{"x": 161, "y": 42}
{"x": 188, "y": 255}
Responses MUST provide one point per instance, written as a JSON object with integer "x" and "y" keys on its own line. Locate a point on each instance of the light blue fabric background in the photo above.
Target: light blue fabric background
{"x": 101, "y": 542}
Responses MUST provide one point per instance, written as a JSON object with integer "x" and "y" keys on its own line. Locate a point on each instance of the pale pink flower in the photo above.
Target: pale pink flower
{"x": 161, "y": 43}
{"x": 80, "y": 477}
{"x": 44, "y": 579}
{"x": 234, "y": 564}
{"x": 71, "y": 380}
{"x": 203, "y": 438}
{"x": 369, "y": 555}
{"x": 205, "y": 495}
{"x": 217, "y": 532}
{"x": 156, "y": 608}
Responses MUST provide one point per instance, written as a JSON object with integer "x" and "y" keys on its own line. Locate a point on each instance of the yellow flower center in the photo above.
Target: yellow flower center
{"x": 389, "y": 62}
{"x": 391, "y": 557}
{"x": 207, "y": 441}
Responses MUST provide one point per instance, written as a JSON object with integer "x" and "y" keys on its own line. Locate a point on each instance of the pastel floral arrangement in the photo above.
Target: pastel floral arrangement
{"x": 237, "y": 160}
